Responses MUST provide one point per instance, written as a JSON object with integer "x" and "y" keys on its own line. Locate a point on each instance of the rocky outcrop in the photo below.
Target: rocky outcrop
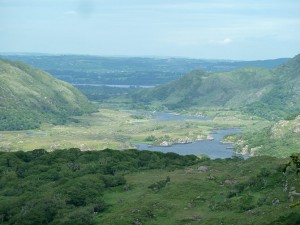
{"x": 203, "y": 169}
{"x": 165, "y": 144}
{"x": 184, "y": 140}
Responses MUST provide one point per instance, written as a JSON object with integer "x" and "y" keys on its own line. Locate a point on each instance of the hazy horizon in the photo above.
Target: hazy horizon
{"x": 216, "y": 29}
{"x": 134, "y": 56}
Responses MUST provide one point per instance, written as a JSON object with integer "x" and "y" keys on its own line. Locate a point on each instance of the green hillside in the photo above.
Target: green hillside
{"x": 284, "y": 97}
{"x": 281, "y": 139}
{"x": 73, "y": 187}
{"x": 198, "y": 88}
{"x": 29, "y": 96}
{"x": 271, "y": 94}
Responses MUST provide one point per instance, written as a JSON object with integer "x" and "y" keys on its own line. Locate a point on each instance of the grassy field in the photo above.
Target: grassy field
{"x": 111, "y": 128}
{"x": 212, "y": 192}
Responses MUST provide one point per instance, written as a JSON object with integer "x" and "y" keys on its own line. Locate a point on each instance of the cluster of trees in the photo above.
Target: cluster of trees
{"x": 19, "y": 119}
{"x": 67, "y": 186}
{"x": 27, "y": 119}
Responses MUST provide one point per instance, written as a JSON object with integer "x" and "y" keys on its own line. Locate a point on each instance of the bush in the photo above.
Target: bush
{"x": 159, "y": 184}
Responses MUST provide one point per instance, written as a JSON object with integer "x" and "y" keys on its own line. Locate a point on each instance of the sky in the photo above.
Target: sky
{"x": 206, "y": 29}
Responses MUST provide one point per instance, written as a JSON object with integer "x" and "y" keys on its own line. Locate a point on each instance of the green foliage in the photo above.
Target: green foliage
{"x": 210, "y": 197}
{"x": 30, "y": 97}
{"x": 67, "y": 186}
{"x": 295, "y": 161}
{"x": 102, "y": 93}
{"x": 40, "y": 187}
{"x": 280, "y": 139}
{"x": 150, "y": 138}
{"x": 157, "y": 186}
{"x": 270, "y": 94}
{"x": 290, "y": 219}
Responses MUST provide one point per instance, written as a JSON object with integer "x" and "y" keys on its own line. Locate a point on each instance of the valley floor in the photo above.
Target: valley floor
{"x": 120, "y": 129}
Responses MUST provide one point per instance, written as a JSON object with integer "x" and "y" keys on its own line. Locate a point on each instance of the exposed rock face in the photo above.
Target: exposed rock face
{"x": 165, "y": 144}
{"x": 203, "y": 169}
{"x": 230, "y": 182}
{"x": 297, "y": 128}
{"x": 185, "y": 140}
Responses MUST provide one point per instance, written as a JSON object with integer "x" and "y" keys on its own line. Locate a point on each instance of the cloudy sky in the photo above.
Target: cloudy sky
{"x": 219, "y": 29}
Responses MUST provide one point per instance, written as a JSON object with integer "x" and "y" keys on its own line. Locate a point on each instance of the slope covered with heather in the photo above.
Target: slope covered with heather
{"x": 271, "y": 94}
{"x": 30, "y": 96}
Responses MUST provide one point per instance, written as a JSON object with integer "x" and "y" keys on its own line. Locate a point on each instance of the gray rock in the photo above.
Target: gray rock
{"x": 203, "y": 169}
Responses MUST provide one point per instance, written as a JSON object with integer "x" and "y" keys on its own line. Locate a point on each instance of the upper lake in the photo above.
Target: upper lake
{"x": 212, "y": 148}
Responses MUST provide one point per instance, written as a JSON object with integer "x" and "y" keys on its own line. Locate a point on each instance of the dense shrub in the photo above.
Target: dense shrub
{"x": 67, "y": 186}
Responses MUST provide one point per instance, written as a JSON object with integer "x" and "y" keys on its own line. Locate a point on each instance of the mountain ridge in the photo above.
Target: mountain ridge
{"x": 258, "y": 91}
{"x": 30, "y": 96}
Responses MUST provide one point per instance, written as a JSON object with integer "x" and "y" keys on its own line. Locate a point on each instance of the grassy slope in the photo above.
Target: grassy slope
{"x": 30, "y": 96}
{"x": 271, "y": 94}
{"x": 69, "y": 186}
{"x": 280, "y": 139}
{"x": 227, "y": 193}
{"x": 284, "y": 98}
{"x": 227, "y": 89}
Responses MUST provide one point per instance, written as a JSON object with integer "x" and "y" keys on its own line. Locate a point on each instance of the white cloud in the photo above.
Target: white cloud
{"x": 225, "y": 41}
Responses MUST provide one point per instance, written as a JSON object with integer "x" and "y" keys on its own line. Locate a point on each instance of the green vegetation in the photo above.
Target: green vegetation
{"x": 280, "y": 139}
{"x": 30, "y": 96}
{"x": 210, "y": 192}
{"x": 117, "y": 129}
{"x": 270, "y": 94}
{"x": 83, "y": 69}
{"x": 283, "y": 99}
{"x": 102, "y": 93}
{"x": 76, "y": 187}
{"x": 207, "y": 90}
{"x": 68, "y": 186}
{"x": 141, "y": 187}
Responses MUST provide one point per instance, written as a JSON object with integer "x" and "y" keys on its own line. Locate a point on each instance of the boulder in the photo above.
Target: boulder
{"x": 203, "y": 169}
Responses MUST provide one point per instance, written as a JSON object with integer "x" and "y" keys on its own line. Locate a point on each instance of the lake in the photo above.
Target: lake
{"x": 212, "y": 148}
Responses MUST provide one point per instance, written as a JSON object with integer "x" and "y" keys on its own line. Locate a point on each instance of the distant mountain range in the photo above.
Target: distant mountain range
{"x": 269, "y": 93}
{"x": 29, "y": 96}
{"x": 84, "y": 69}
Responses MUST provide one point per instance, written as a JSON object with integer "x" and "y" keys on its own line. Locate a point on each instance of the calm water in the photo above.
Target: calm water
{"x": 212, "y": 148}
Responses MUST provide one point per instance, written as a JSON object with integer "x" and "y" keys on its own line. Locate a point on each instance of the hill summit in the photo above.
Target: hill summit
{"x": 29, "y": 96}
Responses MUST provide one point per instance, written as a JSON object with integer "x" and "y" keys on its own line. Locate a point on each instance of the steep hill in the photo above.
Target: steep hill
{"x": 29, "y": 96}
{"x": 271, "y": 94}
{"x": 284, "y": 97}
{"x": 209, "y": 89}
{"x": 280, "y": 139}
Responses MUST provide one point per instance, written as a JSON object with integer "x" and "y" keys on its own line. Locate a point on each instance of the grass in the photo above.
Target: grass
{"x": 111, "y": 128}
{"x": 195, "y": 197}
